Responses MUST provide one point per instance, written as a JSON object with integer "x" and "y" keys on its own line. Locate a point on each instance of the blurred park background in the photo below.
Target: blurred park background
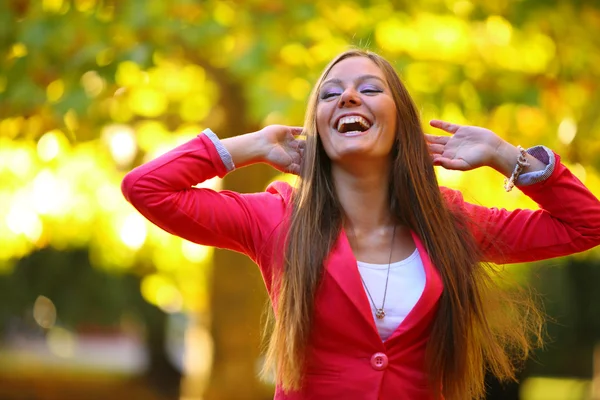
{"x": 97, "y": 303}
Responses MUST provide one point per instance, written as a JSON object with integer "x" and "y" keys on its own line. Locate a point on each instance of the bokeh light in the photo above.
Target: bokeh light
{"x": 44, "y": 312}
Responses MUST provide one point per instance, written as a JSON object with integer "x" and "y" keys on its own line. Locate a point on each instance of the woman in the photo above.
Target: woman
{"x": 377, "y": 275}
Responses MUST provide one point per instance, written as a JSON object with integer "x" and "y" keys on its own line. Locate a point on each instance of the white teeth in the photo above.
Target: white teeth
{"x": 353, "y": 119}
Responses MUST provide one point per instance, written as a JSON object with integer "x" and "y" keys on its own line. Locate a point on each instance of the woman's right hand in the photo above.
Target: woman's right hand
{"x": 283, "y": 150}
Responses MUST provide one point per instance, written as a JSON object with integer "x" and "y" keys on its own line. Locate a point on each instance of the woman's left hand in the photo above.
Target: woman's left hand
{"x": 468, "y": 148}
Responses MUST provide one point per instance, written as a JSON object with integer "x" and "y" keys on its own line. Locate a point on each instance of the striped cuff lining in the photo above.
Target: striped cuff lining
{"x": 223, "y": 153}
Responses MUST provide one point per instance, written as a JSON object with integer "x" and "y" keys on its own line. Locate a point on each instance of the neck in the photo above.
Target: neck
{"x": 363, "y": 192}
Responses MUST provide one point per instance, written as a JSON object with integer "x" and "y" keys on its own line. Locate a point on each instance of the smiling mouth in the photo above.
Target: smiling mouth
{"x": 353, "y": 125}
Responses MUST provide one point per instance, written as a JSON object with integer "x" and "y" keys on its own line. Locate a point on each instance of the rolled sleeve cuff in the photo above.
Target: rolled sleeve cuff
{"x": 546, "y": 156}
{"x": 221, "y": 150}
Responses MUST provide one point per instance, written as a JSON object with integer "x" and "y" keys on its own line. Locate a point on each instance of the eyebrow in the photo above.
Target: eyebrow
{"x": 359, "y": 79}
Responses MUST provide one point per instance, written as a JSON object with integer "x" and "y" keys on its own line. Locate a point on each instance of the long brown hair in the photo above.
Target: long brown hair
{"x": 479, "y": 326}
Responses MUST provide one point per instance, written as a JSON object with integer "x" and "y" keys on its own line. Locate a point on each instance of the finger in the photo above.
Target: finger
{"x": 446, "y": 126}
{"x": 297, "y": 158}
{"x": 293, "y": 145}
{"x": 436, "y": 148}
{"x": 296, "y": 130}
{"x": 437, "y": 139}
{"x": 453, "y": 164}
{"x": 294, "y": 169}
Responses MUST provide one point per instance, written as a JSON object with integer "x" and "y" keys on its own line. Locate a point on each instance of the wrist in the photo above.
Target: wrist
{"x": 255, "y": 147}
{"x": 262, "y": 146}
{"x": 246, "y": 149}
{"x": 504, "y": 158}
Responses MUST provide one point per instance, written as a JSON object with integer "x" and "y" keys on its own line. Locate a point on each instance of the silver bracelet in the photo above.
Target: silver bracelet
{"x": 522, "y": 162}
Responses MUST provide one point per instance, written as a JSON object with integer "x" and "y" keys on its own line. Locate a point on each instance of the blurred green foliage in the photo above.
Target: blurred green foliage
{"x": 90, "y": 88}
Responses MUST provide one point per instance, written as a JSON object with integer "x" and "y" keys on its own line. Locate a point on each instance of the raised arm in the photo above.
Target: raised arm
{"x": 567, "y": 222}
{"x": 163, "y": 189}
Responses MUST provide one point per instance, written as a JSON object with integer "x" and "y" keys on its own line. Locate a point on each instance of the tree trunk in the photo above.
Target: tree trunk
{"x": 237, "y": 294}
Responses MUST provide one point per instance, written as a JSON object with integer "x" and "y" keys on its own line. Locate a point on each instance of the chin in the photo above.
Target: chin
{"x": 354, "y": 152}
{"x": 354, "y": 145}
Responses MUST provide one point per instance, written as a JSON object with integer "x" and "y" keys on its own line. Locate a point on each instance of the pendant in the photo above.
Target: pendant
{"x": 380, "y": 314}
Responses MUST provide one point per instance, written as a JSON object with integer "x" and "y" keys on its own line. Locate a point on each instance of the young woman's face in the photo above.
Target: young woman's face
{"x": 356, "y": 114}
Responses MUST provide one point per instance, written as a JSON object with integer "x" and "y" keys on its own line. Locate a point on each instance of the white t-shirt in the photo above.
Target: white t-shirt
{"x": 405, "y": 286}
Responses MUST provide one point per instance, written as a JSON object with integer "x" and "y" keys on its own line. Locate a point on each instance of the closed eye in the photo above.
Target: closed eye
{"x": 371, "y": 91}
{"x": 328, "y": 95}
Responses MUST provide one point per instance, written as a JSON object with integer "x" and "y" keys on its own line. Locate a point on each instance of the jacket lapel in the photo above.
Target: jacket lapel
{"x": 341, "y": 265}
{"x": 429, "y": 297}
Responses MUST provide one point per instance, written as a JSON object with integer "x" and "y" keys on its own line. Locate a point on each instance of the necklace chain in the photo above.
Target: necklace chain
{"x": 380, "y": 312}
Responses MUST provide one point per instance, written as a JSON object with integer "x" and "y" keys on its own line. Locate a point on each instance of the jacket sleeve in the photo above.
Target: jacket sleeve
{"x": 567, "y": 221}
{"x": 163, "y": 191}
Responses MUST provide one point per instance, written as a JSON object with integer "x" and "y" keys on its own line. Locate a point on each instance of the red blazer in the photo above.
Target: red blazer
{"x": 346, "y": 357}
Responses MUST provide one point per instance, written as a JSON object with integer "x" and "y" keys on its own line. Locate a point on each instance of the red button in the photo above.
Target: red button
{"x": 379, "y": 361}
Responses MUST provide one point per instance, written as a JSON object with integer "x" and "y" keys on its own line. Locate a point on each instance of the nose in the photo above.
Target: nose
{"x": 349, "y": 98}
